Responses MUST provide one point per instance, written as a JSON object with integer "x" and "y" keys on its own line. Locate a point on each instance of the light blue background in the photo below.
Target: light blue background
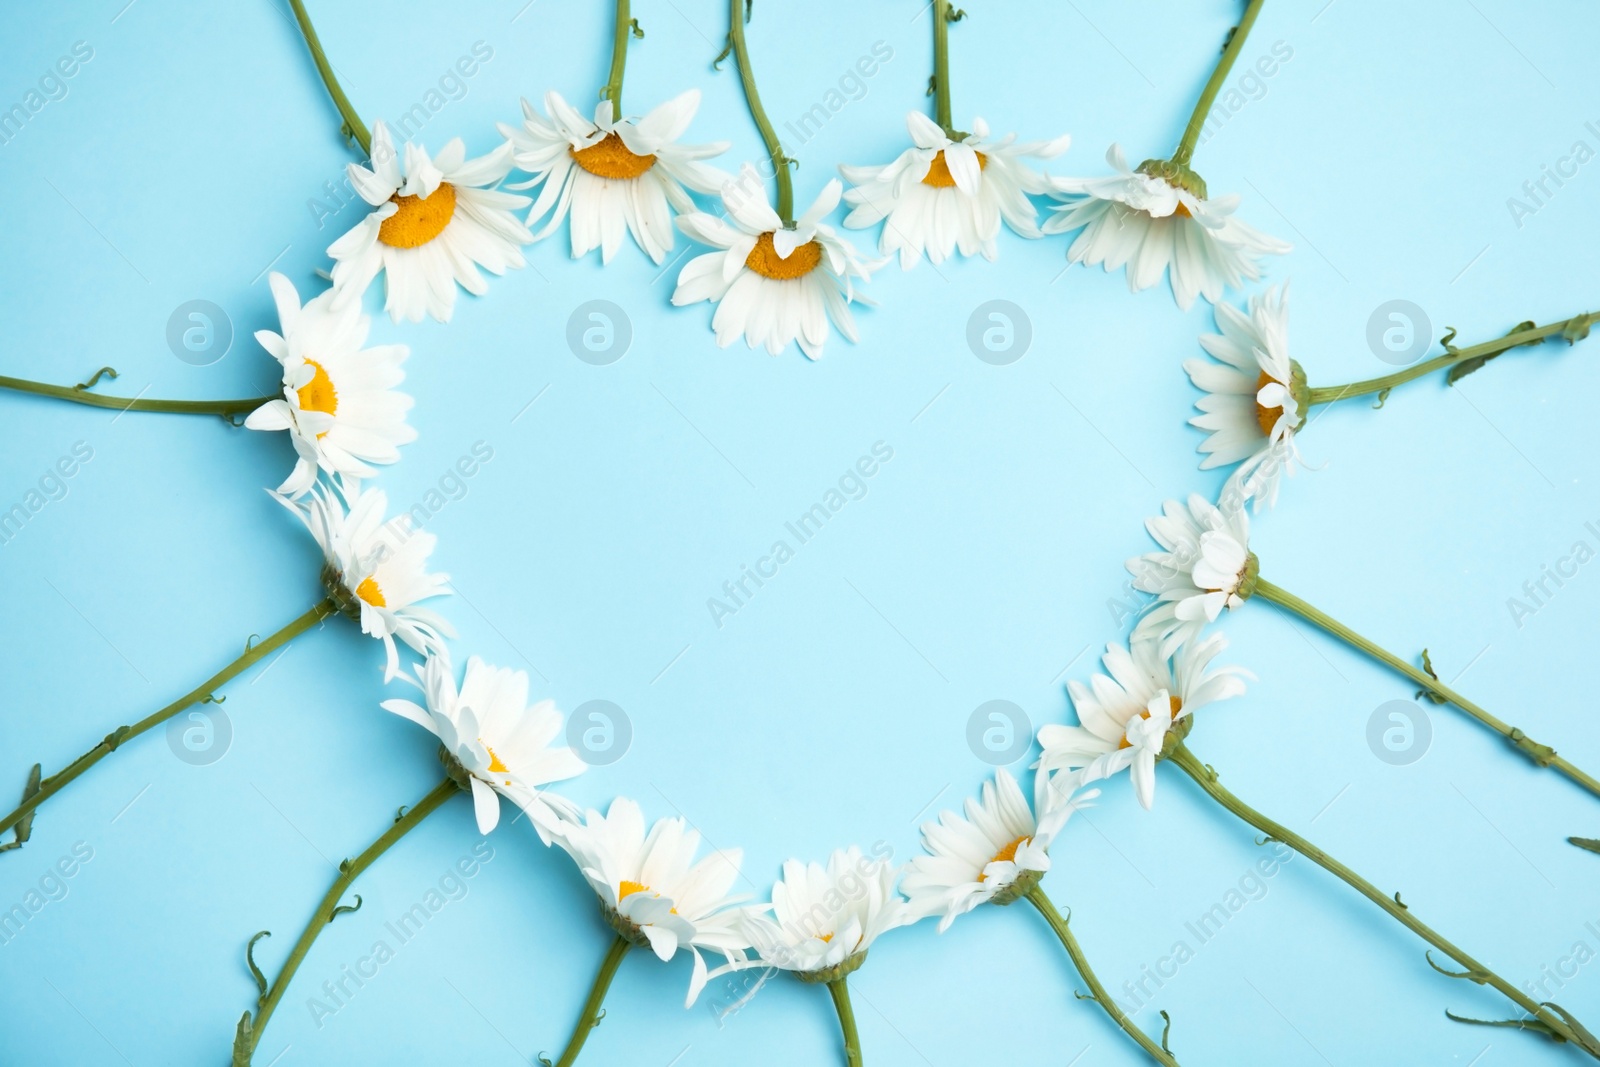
{"x": 833, "y": 708}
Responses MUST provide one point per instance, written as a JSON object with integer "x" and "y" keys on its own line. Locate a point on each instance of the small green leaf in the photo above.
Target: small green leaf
{"x": 1590, "y": 843}
{"x": 1444, "y": 342}
{"x": 1577, "y": 328}
{"x": 250, "y": 960}
{"x": 1471, "y": 976}
{"x": 1429, "y": 694}
{"x": 346, "y": 909}
{"x": 243, "y": 1041}
{"x": 103, "y": 372}
{"x": 1581, "y": 1032}
{"x": 24, "y": 827}
{"x": 1467, "y": 366}
{"x": 1536, "y": 1025}
{"x": 1166, "y": 1030}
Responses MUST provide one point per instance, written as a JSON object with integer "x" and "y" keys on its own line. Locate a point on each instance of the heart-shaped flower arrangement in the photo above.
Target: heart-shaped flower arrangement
{"x": 437, "y": 221}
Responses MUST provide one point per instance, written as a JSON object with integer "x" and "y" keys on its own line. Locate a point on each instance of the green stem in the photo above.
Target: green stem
{"x": 349, "y": 871}
{"x": 592, "y": 1013}
{"x": 1191, "y": 133}
{"x": 780, "y": 162}
{"x": 847, "y": 1021}
{"x": 1097, "y": 992}
{"x": 1541, "y": 755}
{"x": 1327, "y": 394}
{"x": 81, "y": 395}
{"x": 1206, "y": 778}
{"x": 353, "y": 126}
{"x": 58, "y": 781}
{"x": 941, "y": 69}
{"x": 619, "y": 60}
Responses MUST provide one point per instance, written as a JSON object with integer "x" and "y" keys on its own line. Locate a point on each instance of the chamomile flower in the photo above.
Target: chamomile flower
{"x": 1205, "y": 565}
{"x": 822, "y": 919}
{"x": 490, "y": 736}
{"x": 771, "y": 284}
{"x": 1256, "y": 397}
{"x": 435, "y": 222}
{"x": 995, "y": 854}
{"x": 1155, "y": 219}
{"x": 942, "y": 195}
{"x": 613, "y": 176}
{"x": 652, "y": 891}
{"x": 1124, "y": 715}
{"x": 375, "y": 571}
{"x": 339, "y": 403}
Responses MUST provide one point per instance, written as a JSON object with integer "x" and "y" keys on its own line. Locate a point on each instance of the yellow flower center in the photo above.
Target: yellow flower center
{"x": 1174, "y": 702}
{"x": 495, "y": 766}
{"x": 825, "y": 938}
{"x": 369, "y": 591}
{"x": 419, "y": 219}
{"x": 610, "y": 158}
{"x": 939, "y": 176}
{"x": 1006, "y": 855}
{"x": 1182, "y": 211}
{"x": 318, "y": 394}
{"x": 764, "y": 260}
{"x": 1266, "y": 418}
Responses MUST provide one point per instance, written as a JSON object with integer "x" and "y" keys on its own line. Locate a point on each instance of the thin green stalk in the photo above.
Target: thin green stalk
{"x": 249, "y": 1032}
{"x": 619, "y": 58}
{"x": 942, "y": 16}
{"x": 1541, "y": 755}
{"x": 1327, "y": 394}
{"x": 353, "y": 127}
{"x": 780, "y": 162}
{"x": 592, "y": 1012}
{"x": 80, "y": 394}
{"x": 1555, "y": 1025}
{"x": 1097, "y": 992}
{"x": 1191, "y": 133}
{"x": 847, "y": 1021}
{"x": 205, "y": 691}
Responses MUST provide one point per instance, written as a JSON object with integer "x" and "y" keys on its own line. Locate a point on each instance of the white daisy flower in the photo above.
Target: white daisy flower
{"x": 494, "y": 741}
{"x": 651, "y": 890}
{"x": 1157, "y": 218}
{"x": 822, "y": 920}
{"x": 997, "y": 853}
{"x": 1205, "y": 565}
{"x": 339, "y": 404}
{"x": 1124, "y": 716}
{"x": 942, "y": 195}
{"x": 1256, "y": 397}
{"x": 435, "y": 222}
{"x": 375, "y": 571}
{"x": 772, "y": 284}
{"x": 613, "y": 176}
